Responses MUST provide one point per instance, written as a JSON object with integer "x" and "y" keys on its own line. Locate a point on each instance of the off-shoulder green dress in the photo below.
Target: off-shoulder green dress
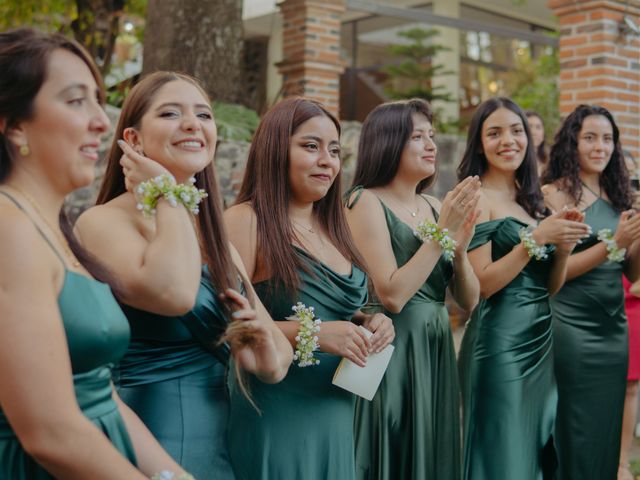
{"x": 97, "y": 336}
{"x": 304, "y": 430}
{"x": 506, "y": 371}
{"x": 411, "y": 428}
{"x": 591, "y": 350}
{"x": 173, "y": 377}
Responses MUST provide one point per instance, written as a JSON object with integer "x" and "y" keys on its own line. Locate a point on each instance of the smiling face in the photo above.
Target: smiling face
{"x": 65, "y": 130}
{"x": 314, "y": 159}
{"x": 178, "y": 130}
{"x": 504, "y": 140}
{"x": 418, "y": 159}
{"x": 595, "y": 144}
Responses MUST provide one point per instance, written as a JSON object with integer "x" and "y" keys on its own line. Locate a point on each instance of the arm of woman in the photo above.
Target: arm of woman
{"x": 494, "y": 276}
{"x": 632, "y": 264}
{"x": 150, "y": 455}
{"x": 338, "y": 337}
{"x": 394, "y": 285}
{"x": 36, "y": 384}
{"x": 159, "y": 273}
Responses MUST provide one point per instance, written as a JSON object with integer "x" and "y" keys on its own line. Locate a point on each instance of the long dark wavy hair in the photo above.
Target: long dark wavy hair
{"x": 211, "y": 226}
{"x": 528, "y": 193}
{"x": 24, "y": 62}
{"x": 541, "y": 151}
{"x": 564, "y": 160}
{"x": 266, "y": 188}
{"x": 385, "y": 132}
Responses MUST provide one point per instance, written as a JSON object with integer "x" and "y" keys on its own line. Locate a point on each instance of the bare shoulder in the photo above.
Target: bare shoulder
{"x": 242, "y": 214}
{"x": 112, "y": 213}
{"x": 555, "y": 196}
{"x": 364, "y": 199}
{"x": 19, "y": 234}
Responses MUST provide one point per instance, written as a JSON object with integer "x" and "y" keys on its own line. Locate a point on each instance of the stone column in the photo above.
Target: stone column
{"x": 450, "y": 37}
{"x": 311, "y": 64}
{"x": 599, "y": 63}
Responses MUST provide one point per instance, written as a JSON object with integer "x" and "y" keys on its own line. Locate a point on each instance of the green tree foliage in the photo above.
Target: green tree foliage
{"x": 534, "y": 86}
{"x": 235, "y": 122}
{"x": 412, "y": 77}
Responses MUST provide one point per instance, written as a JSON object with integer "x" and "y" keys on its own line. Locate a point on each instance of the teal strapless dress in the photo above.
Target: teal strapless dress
{"x": 506, "y": 370}
{"x": 411, "y": 428}
{"x": 305, "y": 428}
{"x": 97, "y": 336}
{"x": 173, "y": 377}
{"x": 591, "y": 353}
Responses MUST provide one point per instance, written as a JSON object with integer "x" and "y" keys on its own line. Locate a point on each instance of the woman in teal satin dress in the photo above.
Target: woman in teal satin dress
{"x": 61, "y": 330}
{"x": 506, "y": 357}
{"x": 587, "y": 171}
{"x": 290, "y": 231}
{"x": 173, "y": 374}
{"x": 411, "y": 428}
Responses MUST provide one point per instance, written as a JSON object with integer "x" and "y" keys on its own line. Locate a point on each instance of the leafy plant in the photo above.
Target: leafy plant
{"x": 534, "y": 86}
{"x": 417, "y": 69}
{"x": 235, "y": 122}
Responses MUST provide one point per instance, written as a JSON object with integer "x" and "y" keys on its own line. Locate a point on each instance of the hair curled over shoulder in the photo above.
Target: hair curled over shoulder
{"x": 528, "y": 193}
{"x": 564, "y": 160}
{"x": 385, "y": 132}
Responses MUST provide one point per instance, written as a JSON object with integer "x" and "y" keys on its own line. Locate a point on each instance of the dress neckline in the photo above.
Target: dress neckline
{"x": 324, "y": 265}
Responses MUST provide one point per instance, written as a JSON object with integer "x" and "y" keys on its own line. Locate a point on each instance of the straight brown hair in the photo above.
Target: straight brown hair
{"x": 213, "y": 234}
{"x": 265, "y": 187}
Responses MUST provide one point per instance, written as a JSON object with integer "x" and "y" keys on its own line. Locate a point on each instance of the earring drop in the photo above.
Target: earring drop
{"x": 24, "y": 150}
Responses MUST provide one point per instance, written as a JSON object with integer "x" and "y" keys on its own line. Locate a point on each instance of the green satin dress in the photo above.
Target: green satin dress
{"x": 173, "y": 377}
{"x": 97, "y": 336}
{"x": 506, "y": 371}
{"x": 305, "y": 428}
{"x": 591, "y": 350}
{"x": 411, "y": 428}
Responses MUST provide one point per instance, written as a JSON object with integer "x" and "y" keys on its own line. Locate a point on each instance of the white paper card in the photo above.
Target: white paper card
{"x": 363, "y": 381}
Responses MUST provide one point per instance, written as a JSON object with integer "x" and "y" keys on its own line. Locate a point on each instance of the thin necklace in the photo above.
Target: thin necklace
{"x": 308, "y": 229}
{"x": 63, "y": 241}
{"x": 599, "y": 195}
{"x": 413, "y": 214}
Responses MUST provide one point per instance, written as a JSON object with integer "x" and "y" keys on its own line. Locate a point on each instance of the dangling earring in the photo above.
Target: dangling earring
{"x": 24, "y": 150}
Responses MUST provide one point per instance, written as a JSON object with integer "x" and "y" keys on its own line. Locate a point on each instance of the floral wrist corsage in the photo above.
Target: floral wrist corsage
{"x": 164, "y": 186}
{"x": 307, "y": 337}
{"x": 539, "y": 252}
{"x": 429, "y": 231}
{"x": 615, "y": 253}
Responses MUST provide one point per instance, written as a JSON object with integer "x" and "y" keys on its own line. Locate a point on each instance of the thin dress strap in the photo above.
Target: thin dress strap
{"x": 21, "y": 208}
{"x": 436, "y": 215}
{"x": 350, "y": 199}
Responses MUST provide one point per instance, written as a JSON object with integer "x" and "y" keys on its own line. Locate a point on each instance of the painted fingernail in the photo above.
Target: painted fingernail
{"x": 121, "y": 143}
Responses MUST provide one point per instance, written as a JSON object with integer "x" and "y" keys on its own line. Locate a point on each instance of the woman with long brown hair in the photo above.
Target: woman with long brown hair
{"x": 60, "y": 327}
{"x": 411, "y": 428}
{"x": 171, "y": 268}
{"x": 289, "y": 228}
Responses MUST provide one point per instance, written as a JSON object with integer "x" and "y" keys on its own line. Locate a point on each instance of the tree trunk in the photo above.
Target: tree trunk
{"x": 203, "y": 38}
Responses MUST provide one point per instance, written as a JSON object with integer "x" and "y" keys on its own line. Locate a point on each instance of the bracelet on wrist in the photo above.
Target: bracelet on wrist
{"x": 164, "y": 186}
{"x": 429, "y": 231}
{"x": 539, "y": 252}
{"x": 614, "y": 253}
{"x": 307, "y": 337}
{"x": 169, "y": 475}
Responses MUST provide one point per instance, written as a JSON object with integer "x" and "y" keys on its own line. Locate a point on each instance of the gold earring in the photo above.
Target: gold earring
{"x": 24, "y": 150}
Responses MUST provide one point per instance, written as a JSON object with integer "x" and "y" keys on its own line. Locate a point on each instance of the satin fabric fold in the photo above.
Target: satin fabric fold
{"x": 173, "y": 377}
{"x": 506, "y": 369}
{"x": 411, "y": 428}
{"x": 591, "y": 353}
{"x": 304, "y": 429}
{"x": 97, "y": 336}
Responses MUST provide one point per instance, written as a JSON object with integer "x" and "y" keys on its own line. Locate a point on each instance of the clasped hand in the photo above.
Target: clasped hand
{"x": 564, "y": 229}
{"x": 347, "y": 340}
{"x": 459, "y": 212}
